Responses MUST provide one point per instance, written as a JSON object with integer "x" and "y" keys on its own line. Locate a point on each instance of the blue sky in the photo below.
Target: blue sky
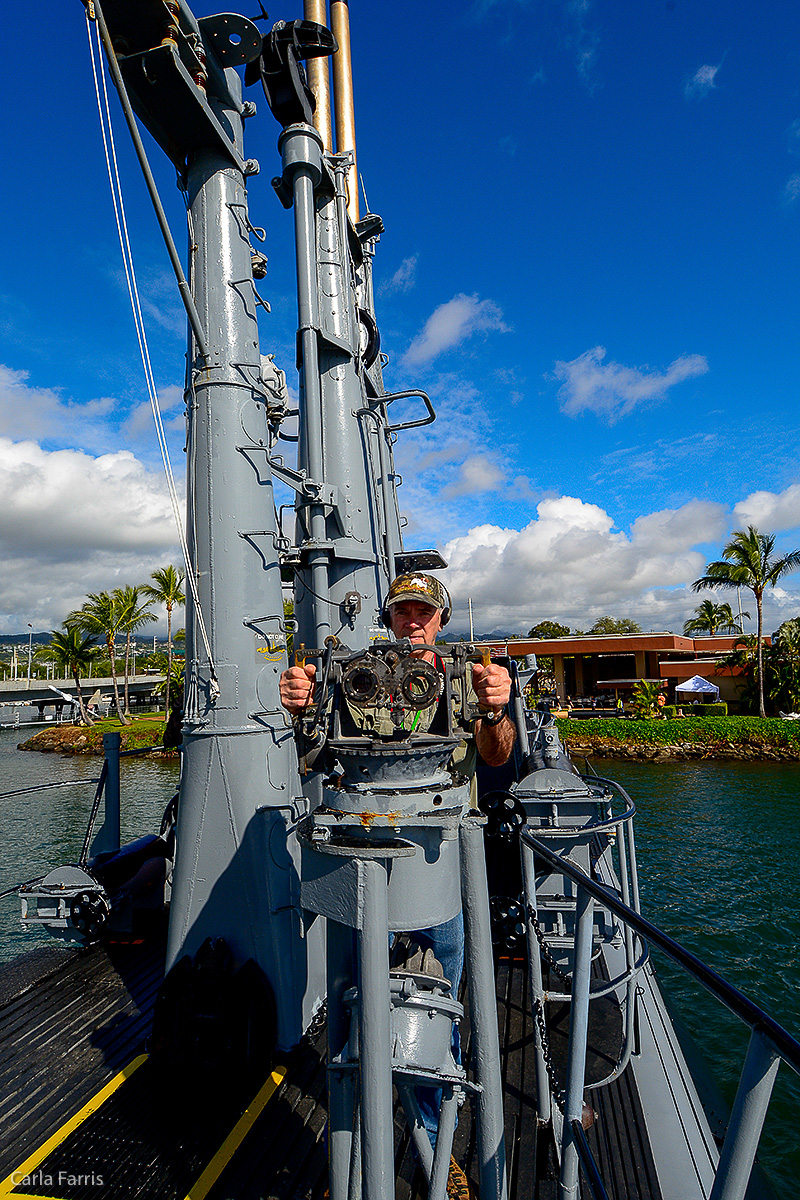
{"x": 592, "y": 216}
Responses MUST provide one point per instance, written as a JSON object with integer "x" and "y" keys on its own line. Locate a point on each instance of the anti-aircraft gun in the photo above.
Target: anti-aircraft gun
{"x": 392, "y": 847}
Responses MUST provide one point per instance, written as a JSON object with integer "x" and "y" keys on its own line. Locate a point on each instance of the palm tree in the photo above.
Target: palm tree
{"x": 713, "y": 618}
{"x": 748, "y": 561}
{"x": 133, "y": 616}
{"x": 647, "y": 697}
{"x": 72, "y": 653}
{"x": 167, "y": 591}
{"x": 742, "y": 661}
{"x": 782, "y": 666}
{"x": 100, "y": 616}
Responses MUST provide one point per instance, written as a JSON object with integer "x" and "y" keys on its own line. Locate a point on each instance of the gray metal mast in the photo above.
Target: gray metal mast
{"x": 344, "y": 565}
{"x": 240, "y": 798}
{"x": 348, "y": 526}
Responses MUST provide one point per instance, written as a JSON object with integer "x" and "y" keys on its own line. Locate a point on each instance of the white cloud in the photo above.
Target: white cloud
{"x": 612, "y": 390}
{"x": 443, "y": 456}
{"x": 72, "y": 523}
{"x": 403, "y": 279}
{"x": 476, "y": 475}
{"x": 791, "y": 189}
{"x": 46, "y": 416}
{"x": 651, "y": 461}
{"x": 158, "y": 296}
{"x": 701, "y": 83}
{"x": 770, "y": 511}
{"x": 450, "y": 324}
{"x": 583, "y": 41}
{"x": 170, "y": 401}
{"x": 39, "y": 412}
{"x": 571, "y": 564}
{"x": 440, "y": 491}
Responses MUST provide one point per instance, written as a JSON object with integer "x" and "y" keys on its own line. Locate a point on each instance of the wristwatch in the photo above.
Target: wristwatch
{"x": 494, "y": 718}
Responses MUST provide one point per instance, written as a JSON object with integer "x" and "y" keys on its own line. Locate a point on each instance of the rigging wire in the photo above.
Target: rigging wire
{"x": 104, "y": 112}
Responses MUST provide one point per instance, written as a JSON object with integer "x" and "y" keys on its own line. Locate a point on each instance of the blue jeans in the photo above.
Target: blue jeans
{"x": 447, "y": 943}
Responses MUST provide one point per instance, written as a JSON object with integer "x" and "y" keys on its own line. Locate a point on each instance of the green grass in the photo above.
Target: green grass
{"x": 145, "y": 730}
{"x": 722, "y": 732}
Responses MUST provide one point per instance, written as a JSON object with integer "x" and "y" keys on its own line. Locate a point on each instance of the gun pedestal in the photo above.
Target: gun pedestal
{"x": 381, "y": 857}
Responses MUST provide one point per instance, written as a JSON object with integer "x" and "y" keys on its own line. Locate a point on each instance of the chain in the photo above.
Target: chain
{"x": 547, "y": 953}
{"x": 558, "y": 1093}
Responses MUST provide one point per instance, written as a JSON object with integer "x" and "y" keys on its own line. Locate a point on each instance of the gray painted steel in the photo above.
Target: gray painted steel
{"x": 578, "y": 1033}
{"x": 107, "y": 836}
{"x": 480, "y": 977}
{"x": 374, "y": 1027}
{"x": 747, "y": 1119}
{"x": 236, "y": 864}
{"x": 236, "y": 869}
{"x": 347, "y": 520}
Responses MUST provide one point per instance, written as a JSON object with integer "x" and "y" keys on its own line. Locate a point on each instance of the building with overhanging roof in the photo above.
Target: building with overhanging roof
{"x": 615, "y": 663}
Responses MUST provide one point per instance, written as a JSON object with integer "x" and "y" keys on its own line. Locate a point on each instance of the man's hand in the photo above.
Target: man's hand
{"x": 493, "y": 688}
{"x": 492, "y": 685}
{"x": 296, "y": 687}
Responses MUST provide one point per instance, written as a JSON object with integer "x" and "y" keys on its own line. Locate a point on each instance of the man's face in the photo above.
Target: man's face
{"x": 416, "y": 620}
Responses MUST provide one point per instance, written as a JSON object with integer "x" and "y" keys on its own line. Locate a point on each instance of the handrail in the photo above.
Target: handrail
{"x": 769, "y": 1044}
{"x": 388, "y": 397}
{"x": 586, "y": 1157}
{"x": 735, "y": 1001}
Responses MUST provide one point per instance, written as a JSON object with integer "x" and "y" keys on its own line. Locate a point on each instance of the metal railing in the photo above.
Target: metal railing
{"x": 769, "y": 1043}
{"x": 617, "y": 828}
{"x": 108, "y": 786}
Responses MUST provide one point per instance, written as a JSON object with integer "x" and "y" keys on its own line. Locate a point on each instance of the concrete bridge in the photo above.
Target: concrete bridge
{"x": 39, "y": 694}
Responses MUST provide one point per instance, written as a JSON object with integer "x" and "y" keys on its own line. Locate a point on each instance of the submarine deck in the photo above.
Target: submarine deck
{"x": 84, "y": 1112}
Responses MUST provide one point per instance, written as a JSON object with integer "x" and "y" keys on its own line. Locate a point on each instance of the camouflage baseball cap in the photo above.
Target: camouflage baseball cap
{"x": 418, "y": 586}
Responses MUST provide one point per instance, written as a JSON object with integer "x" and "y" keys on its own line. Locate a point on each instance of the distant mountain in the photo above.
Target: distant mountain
{"x": 496, "y": 635}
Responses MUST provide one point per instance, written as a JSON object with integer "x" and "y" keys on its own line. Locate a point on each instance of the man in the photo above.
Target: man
{"x": 417, "y": 607}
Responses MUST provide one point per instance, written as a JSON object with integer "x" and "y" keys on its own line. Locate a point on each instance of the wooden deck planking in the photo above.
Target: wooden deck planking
{"x": 64, "y": 1037}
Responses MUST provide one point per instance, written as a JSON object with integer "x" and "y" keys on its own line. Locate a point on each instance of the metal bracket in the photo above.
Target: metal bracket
{"x": 309, "y": 491}
{"x": 160, "y": 75}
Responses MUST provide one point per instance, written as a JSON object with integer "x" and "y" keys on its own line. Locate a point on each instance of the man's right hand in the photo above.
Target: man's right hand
{"x": 296, "y": 687}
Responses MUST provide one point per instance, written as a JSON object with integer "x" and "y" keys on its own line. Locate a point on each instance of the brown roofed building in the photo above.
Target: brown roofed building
{"x": 614, "y": 663}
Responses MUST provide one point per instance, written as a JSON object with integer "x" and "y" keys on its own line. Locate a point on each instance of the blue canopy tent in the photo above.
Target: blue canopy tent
{"x": 698, "y": 685}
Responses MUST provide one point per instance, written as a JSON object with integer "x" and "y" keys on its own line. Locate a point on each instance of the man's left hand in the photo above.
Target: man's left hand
{"x": 492, "y": 685}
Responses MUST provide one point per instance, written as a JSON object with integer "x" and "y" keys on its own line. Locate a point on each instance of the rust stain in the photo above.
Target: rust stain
{"x": 368, "y": 818}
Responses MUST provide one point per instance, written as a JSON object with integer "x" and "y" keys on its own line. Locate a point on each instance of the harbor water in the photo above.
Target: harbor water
{"x": 718, "y": 847}
{"x": 42, "y": 830}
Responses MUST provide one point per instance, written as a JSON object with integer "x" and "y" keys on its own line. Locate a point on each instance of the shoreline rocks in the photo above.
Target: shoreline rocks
{"x": 681, "y": 752}
{"x": 75, "y": 739}
{"x": 78, "y": 739}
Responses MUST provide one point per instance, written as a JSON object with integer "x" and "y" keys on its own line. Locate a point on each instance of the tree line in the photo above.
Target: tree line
{"x": 106, "y": 617}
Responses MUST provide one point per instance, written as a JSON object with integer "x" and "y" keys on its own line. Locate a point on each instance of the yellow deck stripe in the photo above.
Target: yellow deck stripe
{"x": 32, "y": 1162}
{"x": 210, "y": 1175}
{"x": 233, "y": 1141}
